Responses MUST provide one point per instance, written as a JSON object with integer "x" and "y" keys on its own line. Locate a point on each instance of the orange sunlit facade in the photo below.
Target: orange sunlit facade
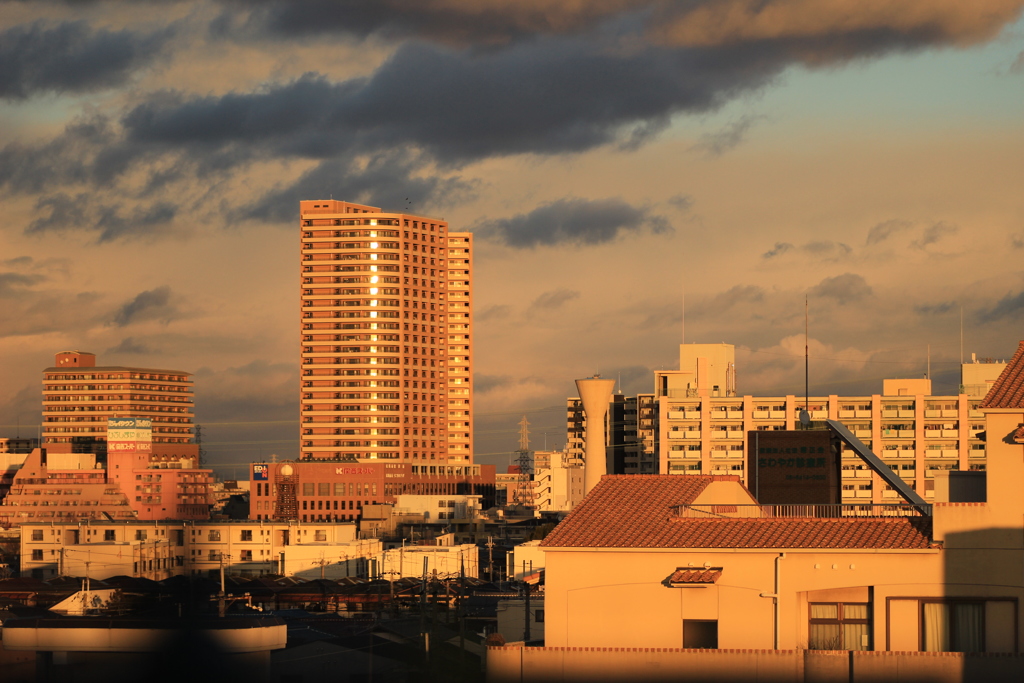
{"x": 386, "y": 336}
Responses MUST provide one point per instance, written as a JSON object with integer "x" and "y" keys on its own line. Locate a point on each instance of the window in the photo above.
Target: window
{"x": 321, "y": 535}
{"x": 700, "y": 633}
{"x": 246, "y": 556}
{"x": 37, "y": 534}
{"x": 37, "y": 555}
{"x": 213, "y": 536}
{"x": 246, "y": 534}
{"x": 953, "y": 627}
{"x": 308, "y": 489}
{"x": 109, "y": 535}
{"x": 324, "y": 489}
{"x": 839, "y": 626}
{"x": 140, "y": 535}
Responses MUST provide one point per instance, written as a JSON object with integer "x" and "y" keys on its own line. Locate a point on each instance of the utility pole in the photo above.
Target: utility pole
{"x": 222, "y": 596}
{"x": 526, "y": 588}
{"x": 490, "y": 558}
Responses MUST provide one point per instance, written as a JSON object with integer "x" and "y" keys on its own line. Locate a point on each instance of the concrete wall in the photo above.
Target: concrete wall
{"x": 638, "y": 665}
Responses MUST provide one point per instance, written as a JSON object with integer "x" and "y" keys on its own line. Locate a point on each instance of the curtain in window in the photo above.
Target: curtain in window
{"x": 936, "y": 627}
{"x": 968, "y": 618}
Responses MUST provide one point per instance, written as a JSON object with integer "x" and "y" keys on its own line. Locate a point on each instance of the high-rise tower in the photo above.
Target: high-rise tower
{"x": 386, "y": 336}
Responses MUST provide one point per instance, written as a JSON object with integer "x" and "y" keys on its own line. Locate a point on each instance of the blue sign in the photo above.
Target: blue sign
{"x": 260, "y": 472}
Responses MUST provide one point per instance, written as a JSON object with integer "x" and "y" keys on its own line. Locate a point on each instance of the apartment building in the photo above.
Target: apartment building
{"x": 557, "y": 480}
{"x": 79, "y": 397}
{"x": 386, "y": 328}
{"x": 159, "y": 550}
{"x": 337, "y": 491}
{"x": 630, "y": 433}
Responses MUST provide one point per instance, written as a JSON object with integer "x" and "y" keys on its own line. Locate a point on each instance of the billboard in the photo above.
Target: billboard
{"x": 794, "y": 467}
{"x": 260, "y": 472}
{"x": 129, "y": 435}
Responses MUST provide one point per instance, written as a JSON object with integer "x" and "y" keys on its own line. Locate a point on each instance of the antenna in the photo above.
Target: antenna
{"x": 805, "y": 414}
{"x": 961, "y": 335}
{"x": 928, "y": 374}
{"x": 682, "y": 335}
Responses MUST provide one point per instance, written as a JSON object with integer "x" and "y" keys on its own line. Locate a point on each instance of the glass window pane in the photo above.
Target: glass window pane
{"x": 824, "y": 637}
{"x": 825, "y": 611}
{"x": 936, "y": 627}
{"x": 855, "y": 611}
{"x": 855, "y": 636}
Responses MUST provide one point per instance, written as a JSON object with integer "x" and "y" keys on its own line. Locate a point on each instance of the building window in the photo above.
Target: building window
{"x": 37, "y": 534}
{"x": 246, "y": 534}
{"x": 321, "y": 535}
{"x": 307, "y": 489}
{"x": 140, "y": 535}
{"x": 37, "y": 555}
{"x": 953, "y": 627}
{"x": 246, "y": 556}
{"x": 213, "y": 536}
{"x": 700, "y": 633}
{"x": 109, "y": 535}
{"x": 839, "y": 626}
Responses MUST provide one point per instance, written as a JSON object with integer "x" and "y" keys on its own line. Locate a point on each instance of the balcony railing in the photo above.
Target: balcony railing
{"x": 751, "y": 511}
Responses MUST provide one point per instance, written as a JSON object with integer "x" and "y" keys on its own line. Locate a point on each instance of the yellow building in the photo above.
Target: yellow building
{"x": 684, "y": 562}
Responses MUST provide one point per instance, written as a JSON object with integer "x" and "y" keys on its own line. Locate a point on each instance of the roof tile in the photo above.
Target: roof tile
{"x": 636, "y": 511}
{"x": 1008, "y": 389}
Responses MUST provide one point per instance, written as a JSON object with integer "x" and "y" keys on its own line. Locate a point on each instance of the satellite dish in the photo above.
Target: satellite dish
{"x": 805, "y": 418}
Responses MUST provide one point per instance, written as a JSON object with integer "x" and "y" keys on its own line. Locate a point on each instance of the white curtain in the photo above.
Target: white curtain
{"x": 936, "y": 627}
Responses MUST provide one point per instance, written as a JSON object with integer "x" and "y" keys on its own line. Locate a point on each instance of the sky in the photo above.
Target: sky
{"x": 620, "y": 162}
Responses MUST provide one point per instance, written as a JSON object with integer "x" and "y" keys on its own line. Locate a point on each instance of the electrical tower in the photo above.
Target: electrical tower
{"x": 524, "y": 458}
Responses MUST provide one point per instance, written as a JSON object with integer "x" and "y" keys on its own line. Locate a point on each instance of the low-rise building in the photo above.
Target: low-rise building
{"x": 158, "y": 550}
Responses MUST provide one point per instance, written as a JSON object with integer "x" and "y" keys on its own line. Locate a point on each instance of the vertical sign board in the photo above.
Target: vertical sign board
{"x": 129, "y": 435}
{"x": 260, "y": 472}
{"x": 799, "y": 467}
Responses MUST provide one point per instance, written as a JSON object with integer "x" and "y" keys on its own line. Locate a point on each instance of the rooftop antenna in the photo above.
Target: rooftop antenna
{"x": 805, "y": 415}
{"x": 928, "y": 374}
{"x": 682, "y": 336}
{"x": 961, "y": 335}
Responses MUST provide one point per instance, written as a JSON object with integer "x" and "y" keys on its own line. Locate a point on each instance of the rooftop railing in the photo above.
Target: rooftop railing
{"x": 842, "y": 511}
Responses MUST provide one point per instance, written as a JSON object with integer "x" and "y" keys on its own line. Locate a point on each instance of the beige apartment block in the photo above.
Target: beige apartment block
{"x": 916, "y": 434}
{"x": 386, "y": 320}
{"x": 558, "y": 480}
{"x": 79, "y": 397}
{"x": 158, "y": 550}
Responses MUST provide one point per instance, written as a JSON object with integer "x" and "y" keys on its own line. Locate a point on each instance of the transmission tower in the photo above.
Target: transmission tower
{"x": 524, "y": 458}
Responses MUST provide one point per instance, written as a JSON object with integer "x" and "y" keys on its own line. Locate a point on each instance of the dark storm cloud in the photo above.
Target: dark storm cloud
{"x": 845, "y": 288}
{"x": 70, "y": 57}
{"x": 848, "y": 25}
{"x": 1010, "y": 307}
{"x": 572, "y": 221}
{"x": 152, "y": 304}
{"x": 886, "y": 229}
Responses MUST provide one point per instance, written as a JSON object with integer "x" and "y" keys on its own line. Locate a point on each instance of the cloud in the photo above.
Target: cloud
{"x": 886, "y": 229}
{"x": 1017, "y": 241}
{"x": 1010, "y": 307}
{"x": 935, "y": 309}
{"x": 814, "y": 30}
{"x": 484, "y": 383}
{"x": 15, "y": 284}
{"x": 554, "y": 299}
{"x": 152, "y": 304}
{"x": 779, "y": 249}
{"x": 721, "y": 141}
{"x": 824, "y": 249}
{"x": 572, "y": 221}
{"x": 495, "y": 312}
{"x": 845, "y": 288}
{"x": 933, "y": 234}
{"x": 681, "y": 202}
{"x": 131, "y": 346}
{"x": 71, "y": 57}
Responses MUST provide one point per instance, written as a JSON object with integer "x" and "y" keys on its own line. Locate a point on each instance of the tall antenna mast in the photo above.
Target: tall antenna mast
{"x": 682, "y": 332}
{"x": 805, "y": 414}
{"x": 961, "y": 335}
{"x": 524, "y": 492}
{"x": 928, "y": 373}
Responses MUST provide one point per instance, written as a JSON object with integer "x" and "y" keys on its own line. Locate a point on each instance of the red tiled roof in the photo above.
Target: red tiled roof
{"x": 1008, "y": 390}
{"x": 1018, "y": 435}
{"x": 695, "y": 576}
{"x": 635, "y": 511}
